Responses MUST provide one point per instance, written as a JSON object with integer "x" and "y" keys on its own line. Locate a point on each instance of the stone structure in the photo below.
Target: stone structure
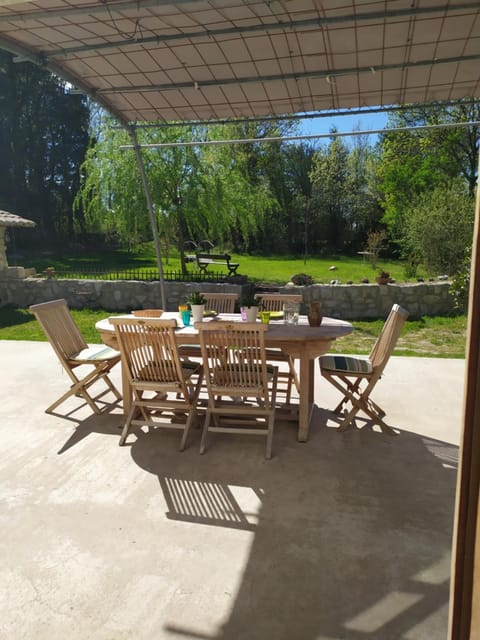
{"x": 356, "y": 301}
{"x": 10, "y": 220}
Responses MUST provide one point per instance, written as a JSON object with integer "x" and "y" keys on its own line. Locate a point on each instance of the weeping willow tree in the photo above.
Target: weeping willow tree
{"x": 198, "y": 191}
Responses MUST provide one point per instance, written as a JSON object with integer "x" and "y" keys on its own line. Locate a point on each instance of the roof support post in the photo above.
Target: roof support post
{"x": 151, "y": 212}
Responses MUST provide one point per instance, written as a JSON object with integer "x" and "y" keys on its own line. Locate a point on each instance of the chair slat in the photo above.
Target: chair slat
{"x": 275, "y": 301}
{"x": 220, "y": 302}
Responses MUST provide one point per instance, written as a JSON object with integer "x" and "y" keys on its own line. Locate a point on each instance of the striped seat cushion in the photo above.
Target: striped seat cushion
{"x": 347, "y": 364}
{"x": 95, "y": 352}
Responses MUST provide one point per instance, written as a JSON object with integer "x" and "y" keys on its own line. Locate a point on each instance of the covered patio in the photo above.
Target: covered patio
{"x": 346, "y": 536}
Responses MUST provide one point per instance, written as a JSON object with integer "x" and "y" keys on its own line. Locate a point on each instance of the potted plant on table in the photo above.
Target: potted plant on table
{"x": 249, "y": 307}
{"x": 197, "y": 305}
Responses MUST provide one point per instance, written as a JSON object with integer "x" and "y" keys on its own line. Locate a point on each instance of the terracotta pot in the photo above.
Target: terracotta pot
{"x": 315, "y": 315}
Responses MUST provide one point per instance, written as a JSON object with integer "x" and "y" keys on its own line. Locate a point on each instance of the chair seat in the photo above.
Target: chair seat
{"x": 273, "y": 353}
{"x": 152, "y": 372}
{"x": 96, "y": 352}
{"x": 347, "y": 364}
{"x": 232, "y": 376}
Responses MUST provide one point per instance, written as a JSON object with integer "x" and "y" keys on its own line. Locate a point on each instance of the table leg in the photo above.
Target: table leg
{"x": 126, "y": 389}
{"x": 306, "y": 397}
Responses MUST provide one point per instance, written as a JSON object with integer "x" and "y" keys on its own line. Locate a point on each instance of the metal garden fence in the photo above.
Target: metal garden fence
{"x": 144, "y": 275}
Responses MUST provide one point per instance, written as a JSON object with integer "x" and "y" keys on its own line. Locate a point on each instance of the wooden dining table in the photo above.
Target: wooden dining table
{"x": 301, "y": 341}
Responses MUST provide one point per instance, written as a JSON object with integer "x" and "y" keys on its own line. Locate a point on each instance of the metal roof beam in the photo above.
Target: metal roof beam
{"x": 310, "y": 136}
{"x": 329, "y": 76}
{"x": 90, "y": 10}
{"x": 308, "y": 115}
{"x": 309, "y": 23}
{"x": 25, "y": 55}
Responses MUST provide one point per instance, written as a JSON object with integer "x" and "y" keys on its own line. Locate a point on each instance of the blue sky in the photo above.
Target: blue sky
{"x": 364, "y": 121}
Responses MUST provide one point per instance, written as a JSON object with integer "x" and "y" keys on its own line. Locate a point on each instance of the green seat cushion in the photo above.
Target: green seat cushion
{"x": 345, "y": 364}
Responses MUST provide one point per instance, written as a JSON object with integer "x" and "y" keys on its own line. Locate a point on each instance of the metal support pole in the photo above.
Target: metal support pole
{"x": 151, "y": 213}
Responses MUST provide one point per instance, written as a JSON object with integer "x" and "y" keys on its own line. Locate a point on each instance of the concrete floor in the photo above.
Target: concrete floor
{"x": 347, "y": 536}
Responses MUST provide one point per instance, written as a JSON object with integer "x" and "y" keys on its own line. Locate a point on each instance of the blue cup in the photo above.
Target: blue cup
{"x": 186, "y": 317}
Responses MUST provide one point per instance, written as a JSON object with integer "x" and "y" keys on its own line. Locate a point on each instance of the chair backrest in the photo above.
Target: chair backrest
{"x": 275, "y": 301}
{"x": 386, "y": 341}
{"x": 234, "y": 357}
{"x": 220, "y": 302}
{"x": 60, "y": 328}
{"x": 149, "y": 350}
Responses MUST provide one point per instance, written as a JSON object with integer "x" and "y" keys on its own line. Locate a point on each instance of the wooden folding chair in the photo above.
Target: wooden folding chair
{"x": 241, "y": 386}
{"x": 275, "y": 302}
{"x": 356, "y": 376}
{"x": 164, "y": 387}
{"x": 73, "y": 352}
{"x": 220, "y": 302}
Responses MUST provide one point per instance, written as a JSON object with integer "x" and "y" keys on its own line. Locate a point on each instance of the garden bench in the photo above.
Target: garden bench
{"x": 204, "y": 260}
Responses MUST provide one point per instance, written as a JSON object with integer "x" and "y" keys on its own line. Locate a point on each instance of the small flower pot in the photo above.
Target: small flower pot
{"x": 249, "y": 314}
{"x": 197, "y": 312}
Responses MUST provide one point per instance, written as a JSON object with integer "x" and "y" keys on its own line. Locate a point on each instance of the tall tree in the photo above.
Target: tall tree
{"x": 263, "y": 165}
{"x": 43, "y": 135}
{"x": 330, "y": 200}
{"x": 415, "y": 162}
{"x": 298, "y": 167}
{"x": 365, "y": 211}
{"x": 198, "y": 191}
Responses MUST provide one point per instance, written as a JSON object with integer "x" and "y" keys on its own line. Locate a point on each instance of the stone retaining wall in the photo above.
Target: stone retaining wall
{"x": 355, "y": 301}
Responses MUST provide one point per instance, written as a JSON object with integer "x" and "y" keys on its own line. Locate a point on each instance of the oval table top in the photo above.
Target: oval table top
{"x": 330, "y": 328}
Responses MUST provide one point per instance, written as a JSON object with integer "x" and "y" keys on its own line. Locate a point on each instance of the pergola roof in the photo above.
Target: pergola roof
{"x": 158, "y": 60}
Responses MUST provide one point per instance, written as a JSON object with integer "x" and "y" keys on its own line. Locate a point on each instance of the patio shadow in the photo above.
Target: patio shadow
{"x": 351, "y": 532}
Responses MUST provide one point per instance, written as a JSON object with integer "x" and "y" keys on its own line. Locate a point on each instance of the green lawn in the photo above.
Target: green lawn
{"x": 275, "y": 269}
{"x": 432, "y": 337}
{"x": 427, "y": 337}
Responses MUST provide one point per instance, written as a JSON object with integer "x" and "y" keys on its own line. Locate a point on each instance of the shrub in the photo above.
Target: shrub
{"x": 302, "y": 279}
{"x": 439, "y": 227}
{"x": 460, "y": 286}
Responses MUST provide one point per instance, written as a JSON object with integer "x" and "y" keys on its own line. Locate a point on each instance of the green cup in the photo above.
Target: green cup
{"x": 265, "y": 316}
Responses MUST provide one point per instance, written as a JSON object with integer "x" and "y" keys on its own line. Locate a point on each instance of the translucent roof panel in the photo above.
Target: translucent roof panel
{"x": 187, "y": 60}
